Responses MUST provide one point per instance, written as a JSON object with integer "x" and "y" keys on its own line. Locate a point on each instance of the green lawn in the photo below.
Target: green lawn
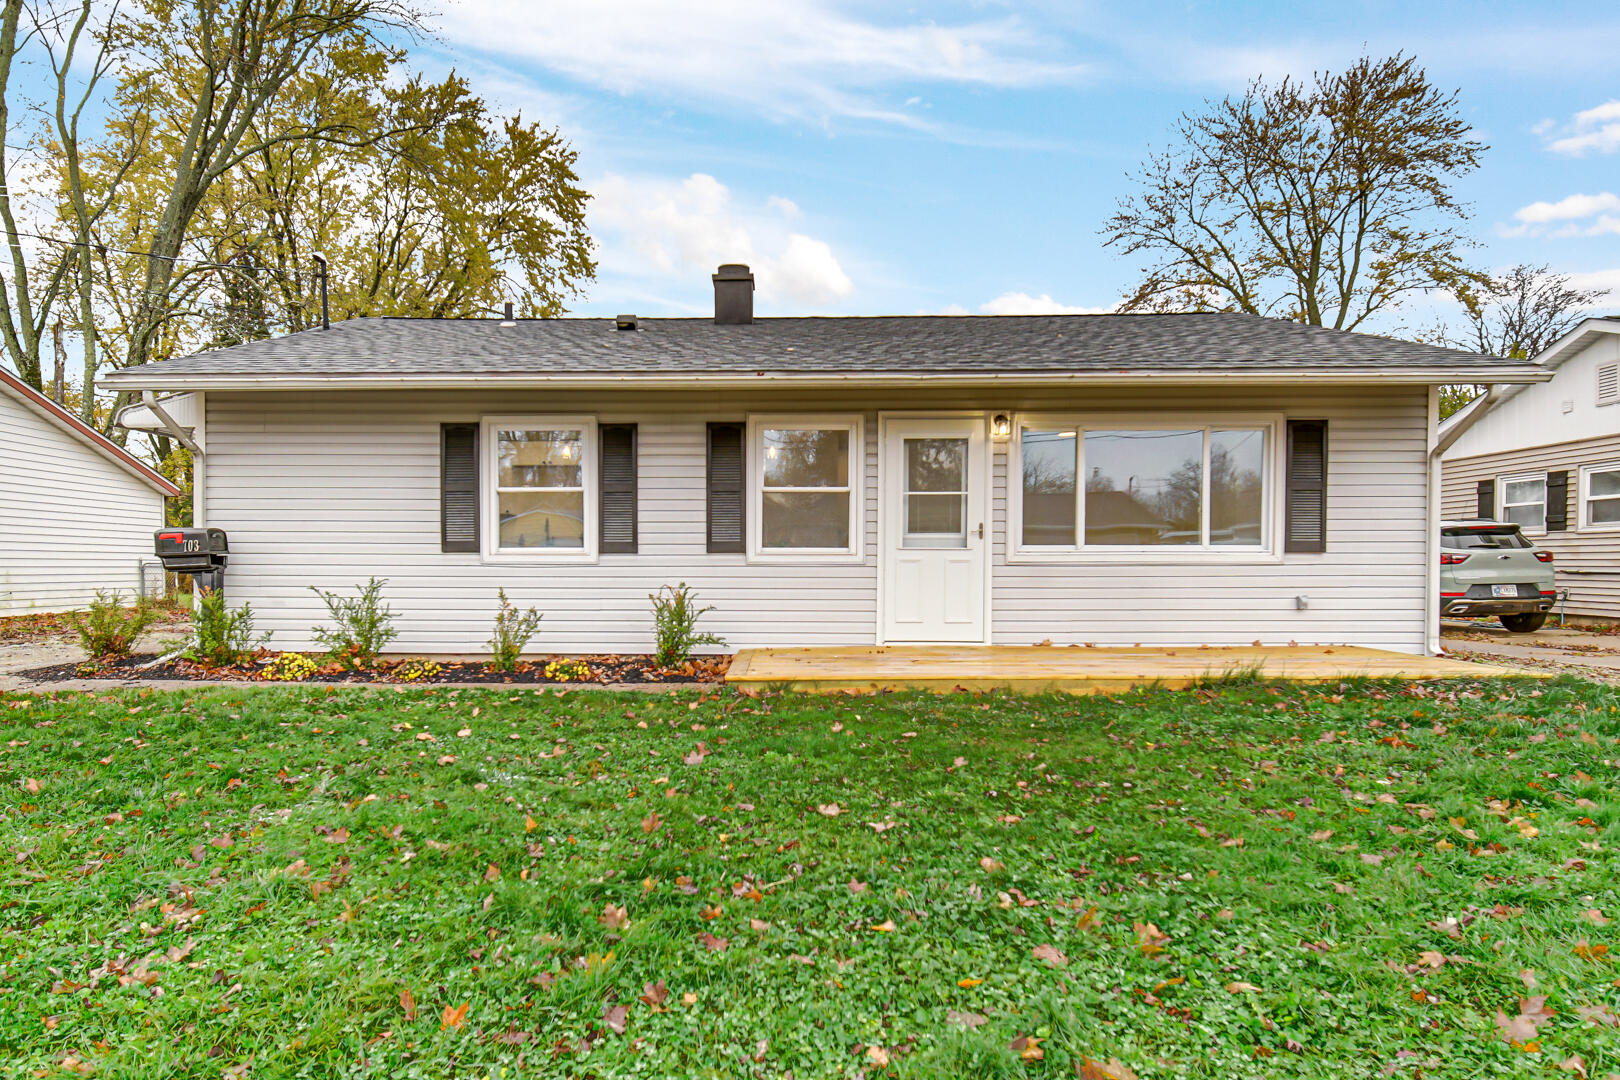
{"x": 1239, "y": 881}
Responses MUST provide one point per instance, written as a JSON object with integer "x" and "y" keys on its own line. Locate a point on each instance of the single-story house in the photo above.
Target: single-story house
{"x": 1548, "y": 457}
{"x": 1112, "y": 479}
{"x": 76, "y": 509}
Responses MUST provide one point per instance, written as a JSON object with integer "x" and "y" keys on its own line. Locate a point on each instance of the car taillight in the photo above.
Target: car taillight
{"x": 1544, "y": 556}
{"x": 1452, "y": 558}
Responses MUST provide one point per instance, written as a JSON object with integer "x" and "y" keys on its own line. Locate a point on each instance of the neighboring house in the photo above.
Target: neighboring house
{"x": 77, "y": 511}
{"x": 1548, "y": 457}
{"x": 1192, "y": 478}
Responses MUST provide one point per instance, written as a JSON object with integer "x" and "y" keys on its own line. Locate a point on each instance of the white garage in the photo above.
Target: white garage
{"x": 78, "y": 510}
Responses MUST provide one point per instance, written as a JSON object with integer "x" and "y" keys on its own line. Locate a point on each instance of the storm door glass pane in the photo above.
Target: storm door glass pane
{"x": 936, "y": 493}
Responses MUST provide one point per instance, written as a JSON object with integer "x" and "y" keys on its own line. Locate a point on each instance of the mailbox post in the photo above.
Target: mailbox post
{"x": 202, "y": 553}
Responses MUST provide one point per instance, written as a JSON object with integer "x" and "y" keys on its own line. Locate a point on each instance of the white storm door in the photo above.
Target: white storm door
{"x": 935, "y": 529}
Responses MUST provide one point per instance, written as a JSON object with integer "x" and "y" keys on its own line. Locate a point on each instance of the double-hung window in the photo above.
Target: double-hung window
{"x": 1600, "y": 496}
{"x": 806, "y": 486}
{"x": 1119, "y": 486}
{"x": 1523, "y": 499}
{"x": 541, "y": 479}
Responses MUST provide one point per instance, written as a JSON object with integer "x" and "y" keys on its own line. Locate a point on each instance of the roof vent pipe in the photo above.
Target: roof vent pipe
{"x": 506, "y": 315}
{"x": 326, "y": 308}
{"x": 733, "y": 295}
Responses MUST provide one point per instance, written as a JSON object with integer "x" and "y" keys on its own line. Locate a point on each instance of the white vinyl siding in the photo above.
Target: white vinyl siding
{"x": 1586, "y": 557}
{"x": 74, "y": 522}
{"x": 330, "y": 489}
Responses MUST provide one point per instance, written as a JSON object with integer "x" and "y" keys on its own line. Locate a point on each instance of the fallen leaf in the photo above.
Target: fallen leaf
{"x": 1521, "y": 1029}
{"x": 1027, "y": 1047}
{"x": 712, "y": 943}
{"x": 1587, "y": 951}
{"x": 1242, "y": 988}
{"x": 885, "y": 927}
{"x": 1150, "y": 939}
{"x": 966, "y": 1019}
{"x": 614, "y": 918}
{"x": 407, "y": 1002}
{"x": 654, "y": 994}
{"x": 877, "y": 1056}
{"x": 1050, "y": 955}
{"x": 493, "y": 873}
{"x": 453, "y": 1018}
{"x": 616, "y": 1018}
{"x": 652, "y": 823}
{"x": 829, "y": 809}
{"x": 1113, "y": 1069}
{"x": 991, "y": 866}
{"x": 1596, "y": 917}
{"x": 529, "y": 824}
{"x": 968, "y": 984}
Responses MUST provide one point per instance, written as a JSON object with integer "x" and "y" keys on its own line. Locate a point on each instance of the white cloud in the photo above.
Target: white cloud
{"x": 806, "y": 60}
{"x": 680, "y": 230}
{"x": 1573, "y": 215}
{"x": 1607, "y": 280}
{"x": 1596, "y": 130}
{"x": 1022, "y": 303}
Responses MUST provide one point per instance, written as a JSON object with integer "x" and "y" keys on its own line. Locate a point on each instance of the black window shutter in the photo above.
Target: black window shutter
{"x": 458, "y": 487}
{"x": 1486, "y": 504}
{"x": 725, "y": 497}
{"x": 1305, "y": 497}
{"x": 1558, "y": 501}
{"x": 618, "y": 483}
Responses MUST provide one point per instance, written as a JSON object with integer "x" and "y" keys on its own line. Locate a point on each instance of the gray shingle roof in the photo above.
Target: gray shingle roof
{"x": 914, "y": 345}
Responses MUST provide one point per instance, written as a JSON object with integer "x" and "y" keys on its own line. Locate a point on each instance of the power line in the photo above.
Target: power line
{"x": 104, "y": 248}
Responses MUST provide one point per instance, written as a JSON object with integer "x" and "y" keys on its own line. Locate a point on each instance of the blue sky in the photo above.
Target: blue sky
{"x": 872, "y": 158}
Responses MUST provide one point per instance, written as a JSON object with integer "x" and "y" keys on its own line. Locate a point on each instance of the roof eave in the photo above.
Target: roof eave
{"x": 134, "y": 378}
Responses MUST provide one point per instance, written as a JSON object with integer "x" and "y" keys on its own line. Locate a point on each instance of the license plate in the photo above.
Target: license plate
{"x": 1504, "y": 590}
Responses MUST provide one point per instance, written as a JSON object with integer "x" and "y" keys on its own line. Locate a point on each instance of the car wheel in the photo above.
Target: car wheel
{"x": 1524, "y": 624}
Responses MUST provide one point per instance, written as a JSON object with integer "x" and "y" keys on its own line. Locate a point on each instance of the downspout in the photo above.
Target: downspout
{"x": 170, "y": 428}
{"x": 199, "y": 459}
{"x": 1438, "y": 445}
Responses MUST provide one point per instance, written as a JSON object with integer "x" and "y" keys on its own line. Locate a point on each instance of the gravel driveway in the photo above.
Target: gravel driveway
{"x": 1564, "y": 650}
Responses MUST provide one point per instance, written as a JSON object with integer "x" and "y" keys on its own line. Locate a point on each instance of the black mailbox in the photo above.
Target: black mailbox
{"x": 201, "y": 553}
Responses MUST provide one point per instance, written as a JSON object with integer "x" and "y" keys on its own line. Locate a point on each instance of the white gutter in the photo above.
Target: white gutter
{"x": 1439, "y": 442}
{"x": 134, "y": 377}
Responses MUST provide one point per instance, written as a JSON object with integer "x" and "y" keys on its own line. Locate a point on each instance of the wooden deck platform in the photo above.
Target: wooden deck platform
{"x": 1035, "y": 668}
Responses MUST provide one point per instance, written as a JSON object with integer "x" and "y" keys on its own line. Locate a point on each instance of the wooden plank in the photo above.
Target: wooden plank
{"x": 1081, "y": 670}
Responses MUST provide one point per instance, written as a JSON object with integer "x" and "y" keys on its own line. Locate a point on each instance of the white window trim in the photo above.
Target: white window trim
{"x": 1587, "y": 524}
{"x": 488, "y": 449}
{"x": 1502, "y": 504}
{"x": 1268, "y": 552}
{"x": 855, "y": 423}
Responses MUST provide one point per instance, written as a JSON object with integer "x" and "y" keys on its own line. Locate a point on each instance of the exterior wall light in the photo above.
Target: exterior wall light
{"x": 1001, "y": 426}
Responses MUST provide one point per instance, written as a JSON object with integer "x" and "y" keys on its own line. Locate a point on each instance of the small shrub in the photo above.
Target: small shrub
{"x": 289, "y": 667}
{"x": 513, "y": 629}
{"x": 675, "y": 616}
{"x": 364, "y": 624}
{"x": 219, "y": 635}
{"x": 108, "y": 628}
{"x": 568, "y": 671}
{"x": 417, "y": 669}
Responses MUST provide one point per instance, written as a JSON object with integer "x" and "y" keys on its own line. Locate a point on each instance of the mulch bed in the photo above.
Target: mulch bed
{"x": 603, "y": 669}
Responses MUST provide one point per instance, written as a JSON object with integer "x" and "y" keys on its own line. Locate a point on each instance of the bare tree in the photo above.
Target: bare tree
{"x": 1522, "y": 312}
{"x": 1519, "y": 314}
{"x": 1325, "y": 202}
